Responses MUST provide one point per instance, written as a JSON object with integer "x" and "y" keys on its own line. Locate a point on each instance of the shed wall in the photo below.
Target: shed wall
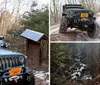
{"x": 33, "y": 53}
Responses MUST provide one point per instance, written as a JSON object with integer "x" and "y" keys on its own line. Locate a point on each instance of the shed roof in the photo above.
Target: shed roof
{"x": 33, "y": 35}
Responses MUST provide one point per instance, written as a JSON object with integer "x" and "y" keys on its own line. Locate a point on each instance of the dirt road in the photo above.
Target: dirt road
{"x": 71, "y": 35}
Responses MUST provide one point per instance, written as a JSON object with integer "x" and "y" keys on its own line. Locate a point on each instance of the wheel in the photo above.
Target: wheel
{"x": 91, "y": 31}
{"x": 63, "y": 25}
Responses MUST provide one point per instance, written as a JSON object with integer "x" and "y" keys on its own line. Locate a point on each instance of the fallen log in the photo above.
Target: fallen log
{"x": 95, "y": 81}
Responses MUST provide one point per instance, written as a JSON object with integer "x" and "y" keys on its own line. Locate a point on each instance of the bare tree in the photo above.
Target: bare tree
{"x": 55, "y": 9}
{"x": 71, "y": 1}
{"x": 9, "y": 18}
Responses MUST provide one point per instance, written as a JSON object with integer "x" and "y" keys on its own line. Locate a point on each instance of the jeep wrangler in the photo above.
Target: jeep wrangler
{"x": 76, "y": 16}
{"x": 13, "y": 70}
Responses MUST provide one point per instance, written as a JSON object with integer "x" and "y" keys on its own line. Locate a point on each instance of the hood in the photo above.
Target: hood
{"x": 8, "y": 52}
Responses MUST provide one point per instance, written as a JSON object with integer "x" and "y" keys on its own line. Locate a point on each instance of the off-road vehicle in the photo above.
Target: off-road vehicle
{"x": 76, "y": 16}
{"x": 13, "y": 70}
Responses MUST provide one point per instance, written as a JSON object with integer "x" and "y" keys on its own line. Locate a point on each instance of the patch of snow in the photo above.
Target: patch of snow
{"x": 81, "y": 68}
{"x": 97, "y": 14}
{"x": 46, "y": 82}
{"x": 71, "y": 29}
{"x": 98, "y": 21}
{"x": 43, "y": 76}
{"x": 86, "y": 77}
{"x": 74, "y": 77}
{"x": 82, "y": 64}
{"x": 76, "y": 73}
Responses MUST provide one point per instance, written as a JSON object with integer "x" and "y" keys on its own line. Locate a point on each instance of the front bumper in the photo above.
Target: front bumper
{"x": 17, "y": 79}
{"x": 5, "y": 79}
{"x": 76, "y": 22}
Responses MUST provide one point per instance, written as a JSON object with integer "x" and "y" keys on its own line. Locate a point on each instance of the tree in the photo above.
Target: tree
{"x": 55, "y": 10}
{"x": 37, "y": 19}
{"x": 60, "y": 62}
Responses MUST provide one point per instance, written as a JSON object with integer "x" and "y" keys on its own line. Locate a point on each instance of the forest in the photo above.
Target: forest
{"x": 75, "y": 64}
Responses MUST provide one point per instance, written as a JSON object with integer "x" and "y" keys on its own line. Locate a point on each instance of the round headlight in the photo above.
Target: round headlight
{"x": 90, "y": 12}
{"x": 21, "y": 59}
{"x": 71, "y": 12}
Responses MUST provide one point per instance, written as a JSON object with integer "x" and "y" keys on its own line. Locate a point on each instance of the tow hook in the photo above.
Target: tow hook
{"x": 15, "y": 80}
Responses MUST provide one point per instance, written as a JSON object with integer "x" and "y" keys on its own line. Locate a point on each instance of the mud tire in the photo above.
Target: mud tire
{"x": 91, "y": 32}
{"x": 63, "y": 25}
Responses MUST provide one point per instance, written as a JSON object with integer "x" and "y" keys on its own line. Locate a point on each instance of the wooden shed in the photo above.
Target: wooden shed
{"x": 36, "y": 47}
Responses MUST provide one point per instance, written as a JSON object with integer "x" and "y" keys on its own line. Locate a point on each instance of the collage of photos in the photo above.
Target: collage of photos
{"x": 75, "y": 42}
{"x": 49, "y": 42}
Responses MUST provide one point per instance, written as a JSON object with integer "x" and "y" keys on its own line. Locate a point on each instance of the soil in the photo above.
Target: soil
{"x": 72, "y": 35}
{"x": 64, "y": 37}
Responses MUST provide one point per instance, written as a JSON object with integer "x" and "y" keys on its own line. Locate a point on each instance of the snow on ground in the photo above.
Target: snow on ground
{"x": 98, "y": 21}
{"x": 78, "y": 72}
{"x": 86, "y": 77}
{"x": 43, "y": 76}
{"x": 71, "y": 30}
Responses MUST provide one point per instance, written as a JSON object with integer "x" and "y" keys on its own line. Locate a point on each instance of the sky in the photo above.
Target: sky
{"x": 25, "y": 4}
{"x": 43, "y": 1}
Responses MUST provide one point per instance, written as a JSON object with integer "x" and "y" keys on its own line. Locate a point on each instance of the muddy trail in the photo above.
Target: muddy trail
{"x": 72, "y": 34}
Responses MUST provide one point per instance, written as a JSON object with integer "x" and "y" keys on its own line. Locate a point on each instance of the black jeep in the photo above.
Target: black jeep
{"x": 13, "y": 70}
{"x": 76, "y": 16}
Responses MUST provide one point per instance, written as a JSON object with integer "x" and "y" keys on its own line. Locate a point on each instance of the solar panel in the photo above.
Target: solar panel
{"x": 32, "y": 35}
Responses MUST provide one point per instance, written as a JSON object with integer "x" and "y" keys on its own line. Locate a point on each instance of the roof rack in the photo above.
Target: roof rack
{"x": 73, "y": 5}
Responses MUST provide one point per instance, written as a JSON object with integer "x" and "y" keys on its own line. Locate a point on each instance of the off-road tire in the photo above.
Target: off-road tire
{"x": 91, "y": 31}
{"x": 63, "y": 25}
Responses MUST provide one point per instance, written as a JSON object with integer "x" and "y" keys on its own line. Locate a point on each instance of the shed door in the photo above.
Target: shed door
{"x": 33, "y": 54}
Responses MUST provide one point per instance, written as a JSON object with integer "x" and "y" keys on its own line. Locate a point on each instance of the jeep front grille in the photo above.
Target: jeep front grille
{"x": 9, "y": 62}
{"x": 80, "y": 11}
